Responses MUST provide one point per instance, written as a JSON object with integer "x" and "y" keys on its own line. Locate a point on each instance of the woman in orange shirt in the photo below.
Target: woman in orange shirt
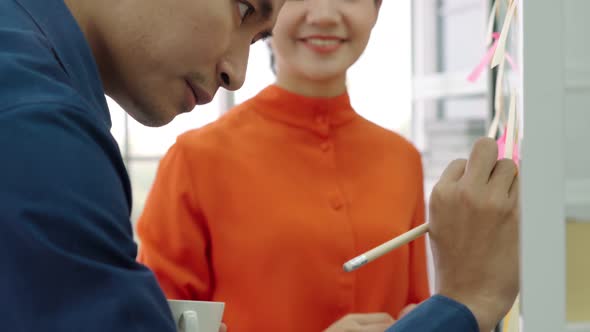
{"x": 261, "y": 208}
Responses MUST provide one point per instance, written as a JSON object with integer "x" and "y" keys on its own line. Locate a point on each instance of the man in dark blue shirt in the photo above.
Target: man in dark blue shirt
{"x": 67, "y": 252}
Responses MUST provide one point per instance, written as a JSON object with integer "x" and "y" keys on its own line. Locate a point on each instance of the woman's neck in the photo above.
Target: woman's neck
{"x": 331, "y": 87}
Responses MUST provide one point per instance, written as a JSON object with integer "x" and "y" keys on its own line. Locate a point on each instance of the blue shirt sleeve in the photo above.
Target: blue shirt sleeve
{"x": 437, "y": 314}
{"x": 67, "y": 252}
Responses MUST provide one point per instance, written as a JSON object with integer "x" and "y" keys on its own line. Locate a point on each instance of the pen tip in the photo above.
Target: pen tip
{"x": 348, "y": 267}
{"x": 355, "y": 263}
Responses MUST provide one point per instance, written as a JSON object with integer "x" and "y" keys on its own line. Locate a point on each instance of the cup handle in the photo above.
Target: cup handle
{"x": 189, "y": 322}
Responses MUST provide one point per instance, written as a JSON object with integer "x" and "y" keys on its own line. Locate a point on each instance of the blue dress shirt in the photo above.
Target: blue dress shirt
{"x": 67, "y": 255}
{"x": 438, "y": 314}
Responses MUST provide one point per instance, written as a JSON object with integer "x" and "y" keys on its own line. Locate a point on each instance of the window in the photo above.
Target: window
{"x": 143, "y": 147}
{"x": 449, "y": 112}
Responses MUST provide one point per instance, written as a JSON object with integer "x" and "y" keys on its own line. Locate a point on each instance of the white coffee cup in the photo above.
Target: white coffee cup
{"x": 197, "y": 316}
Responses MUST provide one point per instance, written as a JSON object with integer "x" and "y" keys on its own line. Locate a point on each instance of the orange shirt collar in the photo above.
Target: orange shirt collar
{"x": 315, "y": 113}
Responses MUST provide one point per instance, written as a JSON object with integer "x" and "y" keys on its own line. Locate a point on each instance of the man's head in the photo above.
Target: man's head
{"x": 158, "y": 58}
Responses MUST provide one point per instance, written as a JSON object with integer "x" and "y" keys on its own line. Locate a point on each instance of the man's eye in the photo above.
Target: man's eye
{"x": 245, "y": 9}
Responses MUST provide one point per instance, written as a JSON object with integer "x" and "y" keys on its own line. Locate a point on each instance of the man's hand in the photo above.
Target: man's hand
{"x": 375, "y": 322}
{"x": 406, "y": 310}
{"x": 474, "y": 218}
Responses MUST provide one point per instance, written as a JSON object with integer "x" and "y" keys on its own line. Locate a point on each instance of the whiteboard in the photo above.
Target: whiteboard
{"x": 555, "y": 90}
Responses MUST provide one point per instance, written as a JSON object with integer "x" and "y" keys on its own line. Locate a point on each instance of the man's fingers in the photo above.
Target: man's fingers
{"x": 406, "y": 310}
{"x": 454, "y": 171}
{"x": 481, "y": 161}
{"x": 503, "y": 175}
{"x": 373, "y": 318}
{"x": 377, "y": 328}
{"x": 514, "y": 191}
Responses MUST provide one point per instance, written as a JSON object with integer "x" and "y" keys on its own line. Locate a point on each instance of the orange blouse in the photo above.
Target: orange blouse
{"x": 261, "y": 208}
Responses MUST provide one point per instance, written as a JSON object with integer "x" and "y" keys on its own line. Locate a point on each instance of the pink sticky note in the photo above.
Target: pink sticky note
{"x": 485, "y": 61}
{"x": 501, "y": 146}
{"x": 511, "y": 62}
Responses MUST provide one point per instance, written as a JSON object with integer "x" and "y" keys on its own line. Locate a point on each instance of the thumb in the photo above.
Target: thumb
{"x": 406, "y": 310}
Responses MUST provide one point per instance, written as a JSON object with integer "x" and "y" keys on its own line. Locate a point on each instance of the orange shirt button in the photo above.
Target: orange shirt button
{"x": 321, "y": 120}
{"x": 336, "y": 203}
{"x": 325, "y": 146}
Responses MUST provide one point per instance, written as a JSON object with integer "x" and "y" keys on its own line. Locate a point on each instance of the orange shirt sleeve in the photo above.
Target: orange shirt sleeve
{"x": 419, "y": 286}
{"x": 173, "y": 233}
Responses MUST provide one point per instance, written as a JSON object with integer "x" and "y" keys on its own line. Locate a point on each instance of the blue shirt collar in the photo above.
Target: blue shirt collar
{"x": 58, "y": 25}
